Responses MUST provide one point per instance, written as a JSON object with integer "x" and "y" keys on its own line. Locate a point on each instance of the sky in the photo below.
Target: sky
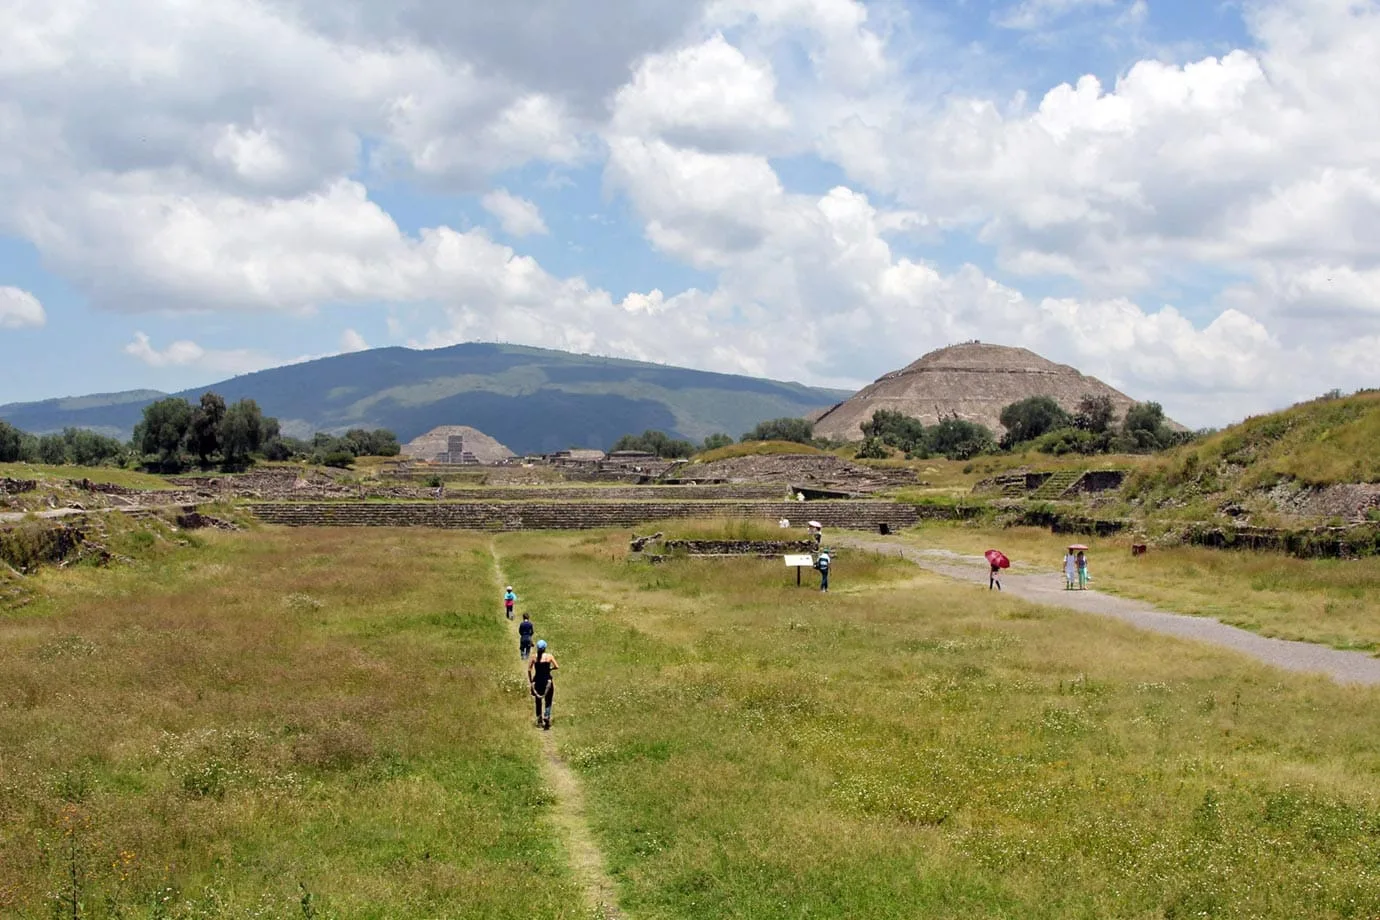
{"x": 1181, "y": 197}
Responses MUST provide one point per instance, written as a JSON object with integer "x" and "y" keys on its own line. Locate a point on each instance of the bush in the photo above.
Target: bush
{"x": 959, "y": 439}
{"x": 656, "y": 442}
{"x": 1030, "y": 418}
{"x": 800, "y": 430}
{"x": 873, "y": 449}
{"x": 340, "y": 459}
{"x": 895, "y": 429}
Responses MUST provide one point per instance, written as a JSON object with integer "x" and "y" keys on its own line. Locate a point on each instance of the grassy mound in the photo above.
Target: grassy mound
{"x": 755, "y": 449}
{"x": 1324, "y": 442}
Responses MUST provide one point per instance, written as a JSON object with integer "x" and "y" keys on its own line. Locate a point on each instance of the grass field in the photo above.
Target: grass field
{"x": 316, "y": 723}
{"x": 60, "y": 474}
{"x": 907, "y": 747}
{"x": 281, "y": 724}
{"x": 1334, "y": 602}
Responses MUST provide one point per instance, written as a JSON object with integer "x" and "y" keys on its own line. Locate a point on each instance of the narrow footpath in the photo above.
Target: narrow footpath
{"x": 586, "y": 860}
{"x": 1048, "y": 589}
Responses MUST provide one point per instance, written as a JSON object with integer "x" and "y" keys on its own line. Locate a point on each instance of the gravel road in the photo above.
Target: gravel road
{"x": 1344, "y": 667}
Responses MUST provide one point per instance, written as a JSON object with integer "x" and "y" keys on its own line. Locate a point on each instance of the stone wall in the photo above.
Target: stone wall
{"x": 739, "y": 547}
{"x": 844, "y": 515}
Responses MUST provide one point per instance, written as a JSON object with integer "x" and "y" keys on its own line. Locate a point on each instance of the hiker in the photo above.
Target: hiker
{"x": 994, "y": 577}
{"x": 1081, "y": 562}
{"x": 509, "y": 599}
{"x": 525, "y": 629}
{"x": 817, "y": 533}
{"x": 542, "y": 681}
{"x": 822, "y": 563}
{"x": 1070, "y": 570}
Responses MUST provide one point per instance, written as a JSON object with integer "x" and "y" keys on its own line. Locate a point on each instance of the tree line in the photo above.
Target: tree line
{"x": 173, "y": 435}
{"x": 1036, "y": 423}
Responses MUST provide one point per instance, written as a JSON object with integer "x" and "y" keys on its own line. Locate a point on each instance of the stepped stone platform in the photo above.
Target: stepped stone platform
{"x": 876, "y": 516}
{"x": 727, "y": 492}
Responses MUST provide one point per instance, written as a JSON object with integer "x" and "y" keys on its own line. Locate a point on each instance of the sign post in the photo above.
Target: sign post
{"x": 800, "y": 561}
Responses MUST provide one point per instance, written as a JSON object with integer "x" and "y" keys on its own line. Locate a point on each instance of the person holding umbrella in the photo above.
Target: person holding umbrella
{"x": 817, "y": 533}
{"x": 1081, "y": 562}
{"x": 1070, "y": 569}
{"x": 997, "y": 559}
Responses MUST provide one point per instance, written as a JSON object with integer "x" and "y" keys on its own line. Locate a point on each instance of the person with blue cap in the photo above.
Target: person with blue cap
{"x": 541, "y": 678}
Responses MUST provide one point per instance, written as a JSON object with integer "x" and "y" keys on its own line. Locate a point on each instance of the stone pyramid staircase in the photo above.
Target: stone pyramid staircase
{"x": 1056, "y": 485}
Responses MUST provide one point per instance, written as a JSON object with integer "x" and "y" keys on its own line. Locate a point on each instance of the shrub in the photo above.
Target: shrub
{"x": 782, "y": 429}
{"x": 1030, "y": 418}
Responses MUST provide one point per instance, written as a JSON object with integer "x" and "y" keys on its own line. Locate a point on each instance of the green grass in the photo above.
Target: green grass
{"x": 1334, "y": 602}
{"x": 909, "y": 747}
{"x": 60, "y": 474}
{"x": 225, "y": 728}
{"x": 1316, "y": 443}
{"x": 249, "y": 719}
{"x": 754, "y": 449}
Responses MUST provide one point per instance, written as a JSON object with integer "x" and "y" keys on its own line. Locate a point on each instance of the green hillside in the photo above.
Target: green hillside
{"x": 1327, "y": 441}
{"x": 531, "y": 399}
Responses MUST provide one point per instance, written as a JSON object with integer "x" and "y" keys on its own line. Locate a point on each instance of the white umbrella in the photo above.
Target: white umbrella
{"x": 815, "y": 524}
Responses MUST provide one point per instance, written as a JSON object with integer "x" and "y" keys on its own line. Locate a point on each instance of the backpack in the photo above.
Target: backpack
{"x": 823, "y": 561}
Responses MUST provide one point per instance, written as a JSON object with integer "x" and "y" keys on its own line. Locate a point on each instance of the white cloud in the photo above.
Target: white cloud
{"x": 184, "y": 353}
{"x": 219, "y": 156}
{"x": 20, "y": 309}
{"x": 517, "y": 216}
{"x": 707, "y": 95}
{"x": 350, "y": 340}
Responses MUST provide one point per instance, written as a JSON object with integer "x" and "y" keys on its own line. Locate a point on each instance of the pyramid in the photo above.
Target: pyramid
{"x": 435, "y": 442}
{"x": 974, "y": 381}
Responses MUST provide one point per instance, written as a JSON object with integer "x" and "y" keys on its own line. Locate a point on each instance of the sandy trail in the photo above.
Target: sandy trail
{"x": 1048, "y": 588}
{"x": 586, "y": 860}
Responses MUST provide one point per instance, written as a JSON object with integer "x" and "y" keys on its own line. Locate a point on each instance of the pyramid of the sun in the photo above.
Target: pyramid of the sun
{"x": 972, "y": 381}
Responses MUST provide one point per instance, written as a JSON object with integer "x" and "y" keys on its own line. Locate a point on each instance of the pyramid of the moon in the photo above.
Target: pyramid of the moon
{"x": 437, "y": 442}
{"x": 972, "y": 381}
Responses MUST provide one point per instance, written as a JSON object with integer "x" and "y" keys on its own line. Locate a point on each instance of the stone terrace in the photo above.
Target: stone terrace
{"x": 532, "y": 515}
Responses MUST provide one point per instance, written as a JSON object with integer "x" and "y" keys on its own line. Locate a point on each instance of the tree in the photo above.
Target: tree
{"x": 203, "y": 438}
{"x": 164, "y": 429}
{"x": 240, "y": 432}
{"x": 11, "y": 442}
{"x": 87, "y": 448}
{"x": 52, "y": 449}
{"x": 1145, "y": 426}
{"x": 873, "y": 449}
{"x": 715, "y": 441}
{"x": 655, "y": 442}
{"x": 1029, "y": 418}
{"x": 895, "y": 429}
{"x": 800, "y": 430}
{"x": 959, "y": 439}
{"x": 1094, "y": 413}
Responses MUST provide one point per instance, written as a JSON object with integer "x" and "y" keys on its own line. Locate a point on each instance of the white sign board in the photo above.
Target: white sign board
{"x": 804, "y": 559}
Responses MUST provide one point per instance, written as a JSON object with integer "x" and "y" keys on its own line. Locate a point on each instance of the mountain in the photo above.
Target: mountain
{"x": 973, "y": 381}
{"x": 531, "y": 399}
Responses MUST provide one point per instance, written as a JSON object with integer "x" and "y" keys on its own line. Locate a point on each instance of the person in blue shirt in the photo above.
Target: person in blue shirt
{"x": 509, "y": 599}
{"x": 525, "y": 629}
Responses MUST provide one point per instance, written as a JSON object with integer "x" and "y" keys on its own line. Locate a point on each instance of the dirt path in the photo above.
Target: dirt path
{"x": 570, "y": 816}
{"x": 1344, "y": 667}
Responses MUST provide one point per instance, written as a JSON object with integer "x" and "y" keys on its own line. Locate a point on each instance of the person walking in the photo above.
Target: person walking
{"x": 509, "y": 599}
{"x": 1081, "y": 563}
{"x": 541, "y": 678}
{"x": 1070, "y": 570}
{"x": 822, "y": 563}
{"x": 525, "y": 629}
{"x": 994, "y": 577}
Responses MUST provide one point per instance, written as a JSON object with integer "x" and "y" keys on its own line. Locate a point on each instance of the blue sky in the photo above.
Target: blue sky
{"x": 1160, "y": 192}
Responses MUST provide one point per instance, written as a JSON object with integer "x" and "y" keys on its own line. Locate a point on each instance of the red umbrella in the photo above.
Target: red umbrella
{"x": 998, "y": 558}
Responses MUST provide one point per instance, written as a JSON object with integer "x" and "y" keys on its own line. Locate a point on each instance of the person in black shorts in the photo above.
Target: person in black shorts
{"x": 525, "y": 637}
{"x": 540, "y": 673}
